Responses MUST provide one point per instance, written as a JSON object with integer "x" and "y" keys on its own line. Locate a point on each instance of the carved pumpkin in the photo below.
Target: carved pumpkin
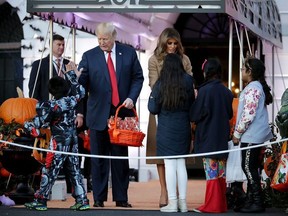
{"x": 42, "y": 143}
{"x": 20, "y": 109}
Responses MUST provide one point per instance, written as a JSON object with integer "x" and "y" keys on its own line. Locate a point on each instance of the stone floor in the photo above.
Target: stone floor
{"x": 144, "y": 195}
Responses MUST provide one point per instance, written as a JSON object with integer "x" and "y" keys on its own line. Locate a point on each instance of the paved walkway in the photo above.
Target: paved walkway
{"x": 144, "y": 196}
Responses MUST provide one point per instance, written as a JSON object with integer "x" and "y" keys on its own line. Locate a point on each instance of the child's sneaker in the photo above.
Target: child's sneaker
{"x": 80, "y": 206}
{"x": 37, "y": 205}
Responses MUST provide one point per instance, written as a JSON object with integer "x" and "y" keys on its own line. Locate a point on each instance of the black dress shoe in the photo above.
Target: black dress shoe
{"x": 98, "y": 204}
{"x": 123, "y": 204}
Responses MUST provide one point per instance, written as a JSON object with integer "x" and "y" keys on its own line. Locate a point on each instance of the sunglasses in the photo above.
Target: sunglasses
{"x": 170, "y": 43}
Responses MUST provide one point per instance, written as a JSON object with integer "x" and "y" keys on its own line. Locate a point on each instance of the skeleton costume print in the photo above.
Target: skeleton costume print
{"x": 59, "y": 115}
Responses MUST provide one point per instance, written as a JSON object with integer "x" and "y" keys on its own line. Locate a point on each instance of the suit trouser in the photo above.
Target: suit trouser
{"x": 100, "y": 167}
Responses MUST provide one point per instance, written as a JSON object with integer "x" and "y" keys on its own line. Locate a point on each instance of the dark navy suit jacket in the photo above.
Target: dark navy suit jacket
{"x": 95, "y": 78}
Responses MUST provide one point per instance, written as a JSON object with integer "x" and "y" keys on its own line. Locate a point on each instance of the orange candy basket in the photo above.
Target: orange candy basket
{"x": 125, "y": 137}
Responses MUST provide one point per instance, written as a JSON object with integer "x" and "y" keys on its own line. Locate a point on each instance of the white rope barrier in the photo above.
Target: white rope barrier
{"x": 145, "y": 157}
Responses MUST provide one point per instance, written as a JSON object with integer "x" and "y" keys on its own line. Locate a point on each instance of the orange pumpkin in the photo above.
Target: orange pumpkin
{"x": 20, "y": 109}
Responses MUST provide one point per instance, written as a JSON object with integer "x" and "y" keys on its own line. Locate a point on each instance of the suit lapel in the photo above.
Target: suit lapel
{"x": 119, "y": 61}
{"x": 47, "y": 62}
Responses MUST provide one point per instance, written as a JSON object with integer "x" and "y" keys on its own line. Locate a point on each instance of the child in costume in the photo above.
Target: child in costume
{"x": 59, "y": 114}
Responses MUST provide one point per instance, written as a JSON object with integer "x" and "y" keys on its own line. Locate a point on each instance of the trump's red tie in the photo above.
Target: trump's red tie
{"x": 114, "y": 86}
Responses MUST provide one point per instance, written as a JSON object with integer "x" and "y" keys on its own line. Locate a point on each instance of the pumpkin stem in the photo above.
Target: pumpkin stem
{"x": 19, "y": 92}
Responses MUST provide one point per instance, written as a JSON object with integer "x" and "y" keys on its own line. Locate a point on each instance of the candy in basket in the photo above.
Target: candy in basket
{"x": 126, "y": 131}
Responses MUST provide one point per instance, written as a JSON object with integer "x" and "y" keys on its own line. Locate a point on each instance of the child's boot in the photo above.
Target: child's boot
{"x": 182, "y": 205}
{"x": 171, "y": 207}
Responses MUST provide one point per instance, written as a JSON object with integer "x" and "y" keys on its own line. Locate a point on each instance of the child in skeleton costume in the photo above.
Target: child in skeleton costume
{"x": 59, "y": 115}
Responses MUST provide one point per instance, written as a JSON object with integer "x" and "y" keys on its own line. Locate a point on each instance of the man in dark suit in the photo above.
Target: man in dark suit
{"x": 95, "y": 78}
{"x": 38, "y": 86}
{"x": 39, "y": 77}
